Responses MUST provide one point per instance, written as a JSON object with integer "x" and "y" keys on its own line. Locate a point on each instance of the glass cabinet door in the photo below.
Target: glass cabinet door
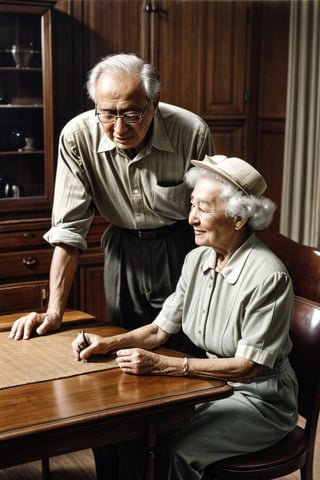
{"x": 26, "y": 119}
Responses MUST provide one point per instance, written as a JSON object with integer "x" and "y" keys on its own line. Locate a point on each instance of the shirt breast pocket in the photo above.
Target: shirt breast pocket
{"x": 171, "y": 201}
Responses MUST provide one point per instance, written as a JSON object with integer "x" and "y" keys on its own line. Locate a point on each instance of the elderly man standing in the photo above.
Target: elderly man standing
{"x": 126, "y": 159}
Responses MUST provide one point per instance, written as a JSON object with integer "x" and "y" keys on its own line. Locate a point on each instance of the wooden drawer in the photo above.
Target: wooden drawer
{"x": 23, "y": 239}
{"x": 31, "y": 236}
{"x": 23, "y": 264}
{"x": 26, "y": 296}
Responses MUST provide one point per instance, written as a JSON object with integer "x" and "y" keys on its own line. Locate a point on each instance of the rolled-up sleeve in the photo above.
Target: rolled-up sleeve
{"x": 73, "y": 209}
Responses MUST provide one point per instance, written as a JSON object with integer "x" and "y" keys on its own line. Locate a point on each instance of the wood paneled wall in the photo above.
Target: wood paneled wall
{"x": 271, "y": 22}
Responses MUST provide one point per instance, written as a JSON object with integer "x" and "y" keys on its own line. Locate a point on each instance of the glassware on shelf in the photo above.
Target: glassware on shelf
{"x": 25, "y": 56}
{"x": 21, "y": 56}
{"x": 29, "y": 144}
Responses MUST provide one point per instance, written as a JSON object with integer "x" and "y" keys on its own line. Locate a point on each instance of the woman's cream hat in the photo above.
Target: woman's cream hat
{"x": 240, "y": 173}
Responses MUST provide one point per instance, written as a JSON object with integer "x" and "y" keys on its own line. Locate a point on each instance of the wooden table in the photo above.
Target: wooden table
{"x": 50, "y": 418}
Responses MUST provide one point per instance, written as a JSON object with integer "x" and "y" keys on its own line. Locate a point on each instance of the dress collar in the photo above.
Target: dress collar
{"x": 232, "y": 271}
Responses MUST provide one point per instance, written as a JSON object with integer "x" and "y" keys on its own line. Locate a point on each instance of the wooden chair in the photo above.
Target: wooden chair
{"x": 296, "y": 450}
{"x": 302, "y": 263}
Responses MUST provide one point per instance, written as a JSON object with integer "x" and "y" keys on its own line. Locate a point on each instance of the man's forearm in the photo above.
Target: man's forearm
{"x": 62, "y": 271}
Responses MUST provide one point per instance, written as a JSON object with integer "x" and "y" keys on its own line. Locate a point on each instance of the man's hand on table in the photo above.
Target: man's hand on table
{"x": 42, "y": 323}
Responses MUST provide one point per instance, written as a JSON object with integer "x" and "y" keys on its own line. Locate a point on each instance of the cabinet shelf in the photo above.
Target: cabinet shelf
{"x": 20, "y": 152}
{"x": 18, "y": 106}
{"x": 20, "y": 69}
{"x": 12, "y": 106}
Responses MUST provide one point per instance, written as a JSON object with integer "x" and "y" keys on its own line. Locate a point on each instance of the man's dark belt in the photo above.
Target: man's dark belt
{"x": 149, "y": 234}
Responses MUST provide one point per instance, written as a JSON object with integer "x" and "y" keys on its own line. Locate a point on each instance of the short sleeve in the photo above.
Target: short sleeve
{"x": 267, "y": 320}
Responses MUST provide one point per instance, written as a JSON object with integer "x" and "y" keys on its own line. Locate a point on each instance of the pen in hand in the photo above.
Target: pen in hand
{"x": 84, "y": 343}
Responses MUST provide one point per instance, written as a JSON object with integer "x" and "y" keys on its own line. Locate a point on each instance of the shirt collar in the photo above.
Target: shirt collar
{"x": 105, "y": 144}
{"x": 159, "y": 139}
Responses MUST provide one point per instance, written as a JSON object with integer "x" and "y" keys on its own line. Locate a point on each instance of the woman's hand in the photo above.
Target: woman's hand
{"x": 138, "y": 361}
{"x": 146, "y": 337}
{"x": 87, "y": 344}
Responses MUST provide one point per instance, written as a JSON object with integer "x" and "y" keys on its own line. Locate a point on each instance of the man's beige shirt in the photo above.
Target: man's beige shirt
{"x": 147, "y": 191}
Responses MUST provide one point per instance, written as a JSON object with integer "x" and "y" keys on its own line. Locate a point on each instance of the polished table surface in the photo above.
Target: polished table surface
{"x": 50, "y": 418}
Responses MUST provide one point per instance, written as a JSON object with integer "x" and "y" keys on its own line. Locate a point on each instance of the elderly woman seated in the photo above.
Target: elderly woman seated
{"x": 234, "y": 300}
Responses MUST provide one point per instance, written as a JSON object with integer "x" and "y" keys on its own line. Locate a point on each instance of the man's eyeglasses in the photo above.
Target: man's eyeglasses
{"x": 127, "y": 117}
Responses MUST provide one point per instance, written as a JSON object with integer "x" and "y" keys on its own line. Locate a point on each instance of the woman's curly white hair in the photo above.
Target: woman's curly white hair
{"x": 258, "y": 211}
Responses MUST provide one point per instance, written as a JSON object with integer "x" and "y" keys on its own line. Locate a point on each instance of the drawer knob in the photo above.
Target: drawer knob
{"x": 29, "y": 261}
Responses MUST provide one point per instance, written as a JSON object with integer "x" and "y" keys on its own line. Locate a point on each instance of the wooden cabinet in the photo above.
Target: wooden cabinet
{"x": 26, "y": 107}
{"x": 26, "y": 153}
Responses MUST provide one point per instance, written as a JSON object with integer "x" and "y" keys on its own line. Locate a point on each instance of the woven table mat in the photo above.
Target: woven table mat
{"x": 44, "y": 358}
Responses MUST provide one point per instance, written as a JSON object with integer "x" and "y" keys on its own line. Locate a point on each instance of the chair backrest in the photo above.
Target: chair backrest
{"x": 302, "y": 263}
{"x": 305, "y": 359}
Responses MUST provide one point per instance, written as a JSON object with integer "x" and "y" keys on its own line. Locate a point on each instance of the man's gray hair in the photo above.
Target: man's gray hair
{"x": 258, "y": 211}
{"x": 128, "y": 64}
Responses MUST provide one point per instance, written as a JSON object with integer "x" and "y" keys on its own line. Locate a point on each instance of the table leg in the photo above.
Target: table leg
{"x": 150, "y": 441}
{"x": 45, "y": 469}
